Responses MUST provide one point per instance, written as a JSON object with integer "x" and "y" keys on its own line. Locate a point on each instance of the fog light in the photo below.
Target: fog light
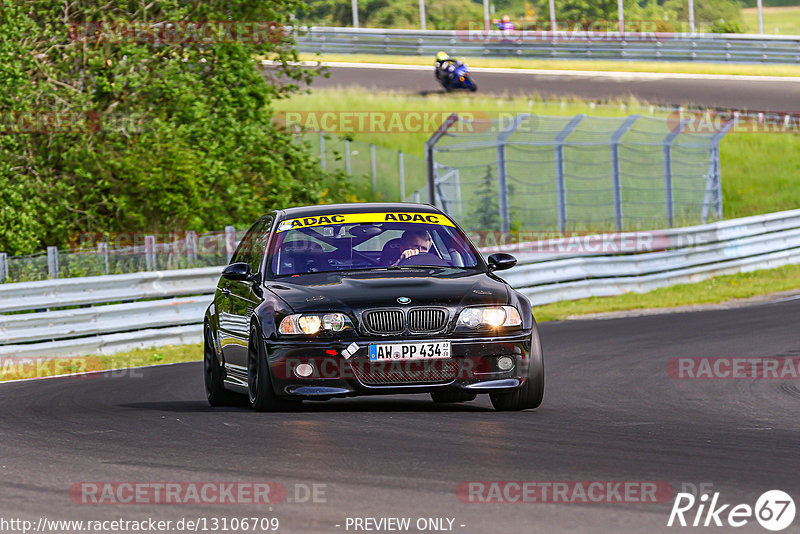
{"x": 303, "y": 370}
{"x": 504, "y": 363}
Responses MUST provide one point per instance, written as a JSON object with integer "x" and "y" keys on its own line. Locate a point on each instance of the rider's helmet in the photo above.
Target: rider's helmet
{"x": 442, "y": 56}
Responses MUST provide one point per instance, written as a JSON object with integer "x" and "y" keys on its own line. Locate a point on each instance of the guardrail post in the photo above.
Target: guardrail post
{"x": 615, "y": 168}
{"x": 322, "y": 149}
{"x": 502, "y": 178}
{"x": 102, "y": 249}
{"x": 191, "y": 246}
{"x": 3, "y": 267}
{"x": 52, "y": 262}
{"x": 667, "y": 148}
{"x": 230, "y": 241}
{"x": 347, "y": 156}
{"x": 401, "y": 171}
{"x": 150, "y": 252}
{"x": 373, "y": 168}
{"x": 430, "y": 144}
{"x": 561, "y": 186}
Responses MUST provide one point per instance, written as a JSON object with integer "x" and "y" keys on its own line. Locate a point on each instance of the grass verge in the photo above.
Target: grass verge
{"x": 664, "y": 67}
{"x": 715, "y": 290}
{"x": 777, "y": 20}
{"x": 12, "y": 369}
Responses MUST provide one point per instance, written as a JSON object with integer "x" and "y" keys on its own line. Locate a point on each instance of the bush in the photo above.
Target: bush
{"x": 173, "y": 135}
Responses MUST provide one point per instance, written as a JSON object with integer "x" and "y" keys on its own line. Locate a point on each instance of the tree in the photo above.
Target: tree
{"x": 175, "y": 126}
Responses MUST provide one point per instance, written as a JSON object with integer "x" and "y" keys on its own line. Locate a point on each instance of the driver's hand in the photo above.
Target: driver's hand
{"x": 407, "y": 254}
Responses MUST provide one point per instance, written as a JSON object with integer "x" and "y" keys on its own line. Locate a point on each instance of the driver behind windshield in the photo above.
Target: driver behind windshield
{"x": 413, "y": 242}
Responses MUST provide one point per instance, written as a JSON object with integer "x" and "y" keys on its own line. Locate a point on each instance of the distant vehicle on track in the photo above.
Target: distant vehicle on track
{"x": 367, "y": 299}
{"x": 453, "y": 74}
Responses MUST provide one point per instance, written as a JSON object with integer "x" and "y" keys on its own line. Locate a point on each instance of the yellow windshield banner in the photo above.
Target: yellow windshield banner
{"x": 356, "y": 218}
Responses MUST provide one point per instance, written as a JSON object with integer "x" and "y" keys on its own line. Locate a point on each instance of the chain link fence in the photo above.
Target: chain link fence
{"x": 575, "y": 174}
{"x": 376, "y": 172}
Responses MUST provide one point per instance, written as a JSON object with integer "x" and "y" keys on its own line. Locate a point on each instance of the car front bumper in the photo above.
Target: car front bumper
{"x": 472, "y": 367}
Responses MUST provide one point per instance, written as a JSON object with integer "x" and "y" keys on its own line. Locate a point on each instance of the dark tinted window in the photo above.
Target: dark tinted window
{"x": 254, "y": 244}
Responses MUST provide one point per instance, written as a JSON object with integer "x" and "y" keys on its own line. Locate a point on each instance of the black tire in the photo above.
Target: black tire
{"x": 452, "y": 396}
{"x": 473, "y": 86}
{"x": 261, "y": 394}
{"x": 216, "y": 393}
{"x": 531, "y": 393}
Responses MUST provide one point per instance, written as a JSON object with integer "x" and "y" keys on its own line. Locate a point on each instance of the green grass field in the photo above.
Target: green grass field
{"x": 777, "y": 20}
{"x": 587, "y": 65}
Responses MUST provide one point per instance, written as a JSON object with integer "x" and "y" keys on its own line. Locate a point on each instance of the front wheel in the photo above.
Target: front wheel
{"x": 531, "y": 393}
{"x": 259, "y": 380}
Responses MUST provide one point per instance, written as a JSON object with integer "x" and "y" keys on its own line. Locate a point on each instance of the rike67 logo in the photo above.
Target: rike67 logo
{"x": 774, "y": 510}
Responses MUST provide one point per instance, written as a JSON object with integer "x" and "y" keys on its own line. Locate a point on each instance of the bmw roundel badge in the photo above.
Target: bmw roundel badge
{"x": 403, "y": 300}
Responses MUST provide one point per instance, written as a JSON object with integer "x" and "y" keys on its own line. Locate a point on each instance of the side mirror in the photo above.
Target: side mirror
{"x": 501, "y": 261}
{"x": 240, "y": 272}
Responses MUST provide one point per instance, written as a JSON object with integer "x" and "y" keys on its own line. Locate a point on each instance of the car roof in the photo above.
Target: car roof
{"x": 356, "y": 207}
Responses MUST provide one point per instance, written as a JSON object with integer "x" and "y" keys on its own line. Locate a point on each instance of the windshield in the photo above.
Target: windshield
{"x": 345, "y": 242}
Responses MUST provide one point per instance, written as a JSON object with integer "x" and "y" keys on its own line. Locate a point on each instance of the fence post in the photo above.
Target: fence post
{"x": 3, "y": 267}
{"x": 102, "y": 249}
{"x": 191, "y": 246}
{"x": 430, "y": 144}
{"x": 561, "y": 186}
{"x": 615, "y": 168}
{"x": 502, "y": 179}
{"x": 713, "y": 195}
{"x": 402, "y": 172}
{"x": 150, "y": 252}
{"x": 52, "y": 262}
{"x": 230, "y": 241}
{"x": 373, "y": 168}
{"x": 322, "y": 149}
{"x": 347, "y": 156}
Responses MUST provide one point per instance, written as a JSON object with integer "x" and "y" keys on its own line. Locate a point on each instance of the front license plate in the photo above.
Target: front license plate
{"x": 410, "y": 351}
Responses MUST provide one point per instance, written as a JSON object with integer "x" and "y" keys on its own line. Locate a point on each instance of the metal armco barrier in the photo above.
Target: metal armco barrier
{"x": 568, "y": 44}
{"x": 167, "y": 307}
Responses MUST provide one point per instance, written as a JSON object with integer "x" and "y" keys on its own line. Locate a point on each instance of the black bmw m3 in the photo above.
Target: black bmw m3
{"x": 367, "y": 299}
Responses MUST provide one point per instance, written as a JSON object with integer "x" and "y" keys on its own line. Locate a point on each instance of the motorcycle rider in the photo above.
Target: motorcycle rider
{"x": 445, "y": 66}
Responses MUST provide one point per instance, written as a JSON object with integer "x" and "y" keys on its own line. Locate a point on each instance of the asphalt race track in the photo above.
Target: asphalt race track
{"x": 611, "y": 412}
{"x": 728, "y": 92}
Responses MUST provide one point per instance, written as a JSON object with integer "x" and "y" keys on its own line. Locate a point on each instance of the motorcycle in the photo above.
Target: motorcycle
{"x": 459, "y": 78}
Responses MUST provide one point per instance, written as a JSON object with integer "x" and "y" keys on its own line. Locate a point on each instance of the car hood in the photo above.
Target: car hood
{"x": 358, "y": 291}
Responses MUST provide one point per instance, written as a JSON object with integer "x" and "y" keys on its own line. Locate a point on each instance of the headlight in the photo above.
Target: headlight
{"x": 489, "y": 316}
{"x": 312, "y": 323}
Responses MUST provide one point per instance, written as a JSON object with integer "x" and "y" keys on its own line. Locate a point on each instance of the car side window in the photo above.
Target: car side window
{"x": 254, "y": 244}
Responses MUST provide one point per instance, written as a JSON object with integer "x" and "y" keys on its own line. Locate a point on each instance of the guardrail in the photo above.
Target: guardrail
{"x": 157, "y": 308}
{"x": 741, "y": 48}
